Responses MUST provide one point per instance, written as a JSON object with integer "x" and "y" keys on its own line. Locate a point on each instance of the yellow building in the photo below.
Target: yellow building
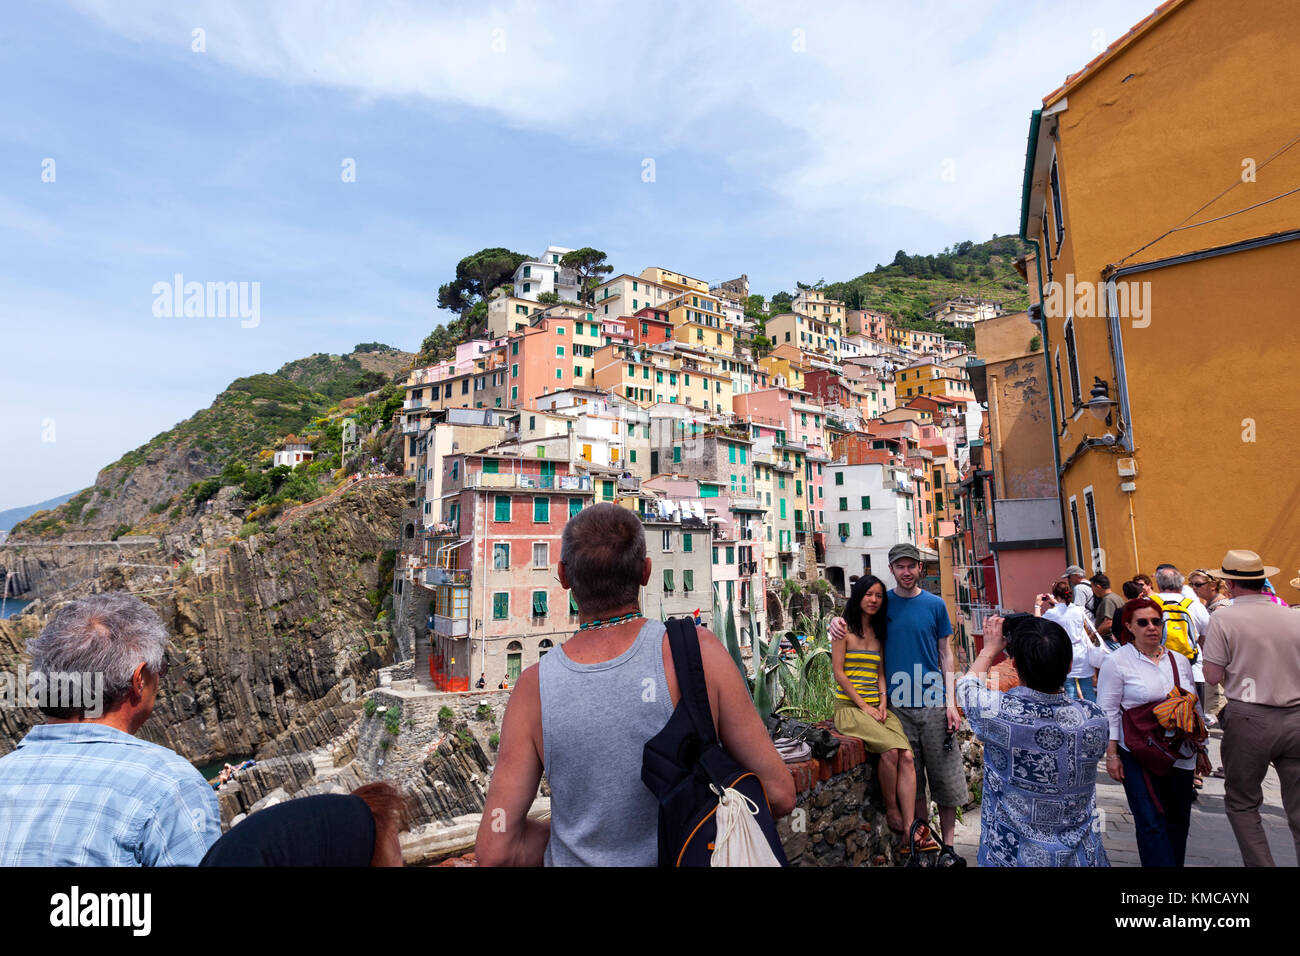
{"x": 674, "y": 280}
{"x": 645, "y": 377}
{"x": 813, "y": 303}
{"x": 784, "y": 361}
{"x": 1166, "y": 285}
{"x": 809, "y": 334}
{"x": 697, "y": 321}
{"x": 928, "y": 377}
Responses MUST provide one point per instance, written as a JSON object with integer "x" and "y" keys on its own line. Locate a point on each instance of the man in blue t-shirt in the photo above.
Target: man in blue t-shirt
{"x": 920, "y": 670}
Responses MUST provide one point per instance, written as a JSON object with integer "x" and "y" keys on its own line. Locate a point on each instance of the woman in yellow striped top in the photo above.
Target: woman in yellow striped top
{"x": 860, "y": 707}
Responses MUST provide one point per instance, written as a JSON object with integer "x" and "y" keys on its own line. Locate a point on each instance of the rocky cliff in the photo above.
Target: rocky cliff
{"x": 274, "y": 639}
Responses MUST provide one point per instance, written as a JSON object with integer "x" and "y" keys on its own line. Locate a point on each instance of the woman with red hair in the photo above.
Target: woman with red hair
{"x": 1139, "y": 673}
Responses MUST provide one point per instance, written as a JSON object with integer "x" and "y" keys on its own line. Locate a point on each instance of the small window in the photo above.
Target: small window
{"x": 844, "y": 504}
{"x": 688, "y": 580}
{"x": 866, "y": 529}
{"x": 502, "y": 512}
{"x": 575, "y": 505}
{"x": 667, "y": 540}
{"x": 539, "y": 604}
{"x": 668, "y": 579}
{"x": 541, "y": 510}
{"x": 500, "y": 605}
{"x": 541, "y": 554}
{"x": 501, "y": 556}
{"x": 839, "y": 477}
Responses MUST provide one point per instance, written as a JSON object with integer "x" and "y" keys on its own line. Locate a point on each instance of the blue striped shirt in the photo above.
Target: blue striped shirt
{"x": 86, "y": 794}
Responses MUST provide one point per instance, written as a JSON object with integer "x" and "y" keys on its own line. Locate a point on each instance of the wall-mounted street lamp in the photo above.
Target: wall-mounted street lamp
{"x": 1099, "y": 402}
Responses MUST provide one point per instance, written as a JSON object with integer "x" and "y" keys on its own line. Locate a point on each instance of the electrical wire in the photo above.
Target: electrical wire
{"x": 1181, "y": 226}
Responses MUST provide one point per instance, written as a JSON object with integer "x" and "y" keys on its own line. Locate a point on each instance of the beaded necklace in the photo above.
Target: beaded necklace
{"x": 598, "y": 623}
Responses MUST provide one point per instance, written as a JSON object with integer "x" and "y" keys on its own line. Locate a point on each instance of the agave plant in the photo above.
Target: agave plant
{"x": 729, "y": 637}
{"x": 767, "y": 663}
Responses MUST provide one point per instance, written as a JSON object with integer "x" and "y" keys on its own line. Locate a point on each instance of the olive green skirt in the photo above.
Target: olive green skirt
{"x": 852, "y": 721}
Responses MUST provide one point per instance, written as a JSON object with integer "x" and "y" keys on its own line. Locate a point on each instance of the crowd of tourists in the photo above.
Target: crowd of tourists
{"x": 655, "y": 754}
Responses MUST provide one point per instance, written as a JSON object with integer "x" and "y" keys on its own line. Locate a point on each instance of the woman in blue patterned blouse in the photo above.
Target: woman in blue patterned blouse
{"x": 1040, "y": 752}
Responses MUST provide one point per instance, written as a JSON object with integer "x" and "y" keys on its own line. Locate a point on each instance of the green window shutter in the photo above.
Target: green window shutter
{"x": 782, "y": 507}
{"x": 502, "y": 512}
{"x": 539, "y": 603}
{"x": 573, "y": 604}
{"x": 731, "y": 555}
{"x": 677, "y": 454}
{"x": 668, "y": 579}
{"x": 490, "y": 466}
{"x": 687, "y": 544}
{"x": 541, "y": 509}
{"x": 798, "y": 487}
{"x": 866, "y": 528}
{"x": 715, "y": 555}
{"x": 744, "y": 455}
{"x": 632, "y": 456}
{"x": 607, "y": 491}
{"x": 575, "y": 505}
{"x": 839, "y": 477}
{"x": 844, "y": 530}
{"x": 731, "y": 456}
{"x": 500, "y": 606}
{"x": 866, "y": 502}
{"x": 844, "y": 504}
{"x": 688, "y": 580}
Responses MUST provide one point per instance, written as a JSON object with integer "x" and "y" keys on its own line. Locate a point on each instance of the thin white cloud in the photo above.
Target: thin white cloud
{"x": 840, "y": 106}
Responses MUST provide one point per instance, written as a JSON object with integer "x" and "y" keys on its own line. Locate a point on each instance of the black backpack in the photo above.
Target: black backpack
{"x": 684, "y": 761}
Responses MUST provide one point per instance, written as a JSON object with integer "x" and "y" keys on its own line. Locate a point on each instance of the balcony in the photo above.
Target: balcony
{"x": 446, "y": 576}
{"x": 629, "y": 484}
{"x": 450, "y": 626}
{"x": 416, "y": 404}
{"x": 481, "y": 479}
{"x": 1027, "y": 522}
{"x": 745, "y": 504}
{"x": 412, "y": 427}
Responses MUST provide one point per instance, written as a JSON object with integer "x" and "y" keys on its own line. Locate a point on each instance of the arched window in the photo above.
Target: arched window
{"x": 543, "y": 647}
{"x": 410, "y": 530}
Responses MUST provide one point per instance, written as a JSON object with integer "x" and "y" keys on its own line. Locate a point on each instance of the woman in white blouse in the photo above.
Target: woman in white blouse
{"x": 1089, "y": 650}
{"x": 1140, "y": 673}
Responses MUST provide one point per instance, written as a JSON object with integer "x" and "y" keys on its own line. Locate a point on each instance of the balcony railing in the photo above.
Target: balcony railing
{"x": 451, "y": 626}
{"x": 481, "y": 479}
{"x": 447, "y": 576}
{"x": 412, "y": 427}
{"x": 415, "y": 404}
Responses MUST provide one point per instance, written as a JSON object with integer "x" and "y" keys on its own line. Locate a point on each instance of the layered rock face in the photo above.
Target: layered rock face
{"x": 273, "y": 643}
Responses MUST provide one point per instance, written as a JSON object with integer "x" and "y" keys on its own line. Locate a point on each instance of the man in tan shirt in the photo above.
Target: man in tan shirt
{"x": 1253, "y": 648}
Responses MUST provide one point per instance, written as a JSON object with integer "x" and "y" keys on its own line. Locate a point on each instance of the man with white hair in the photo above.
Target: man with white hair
{"x": 80, "y": 789}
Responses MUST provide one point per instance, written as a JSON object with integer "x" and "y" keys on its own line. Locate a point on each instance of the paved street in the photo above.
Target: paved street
{"x": 1210, "y": 841}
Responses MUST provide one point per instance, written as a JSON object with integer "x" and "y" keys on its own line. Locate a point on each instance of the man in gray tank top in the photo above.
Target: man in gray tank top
{"x": 584, "y": 713}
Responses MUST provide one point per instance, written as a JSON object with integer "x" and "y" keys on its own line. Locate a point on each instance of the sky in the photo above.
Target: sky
{"x": 337, "y": 158}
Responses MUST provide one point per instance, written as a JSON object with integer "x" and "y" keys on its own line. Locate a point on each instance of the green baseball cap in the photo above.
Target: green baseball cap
{"x": 904, "y": 551}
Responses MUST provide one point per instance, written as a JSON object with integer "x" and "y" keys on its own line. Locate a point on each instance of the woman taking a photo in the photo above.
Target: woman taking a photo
{"x": 860, "y": 707}
{"x": 1141, "y": 673}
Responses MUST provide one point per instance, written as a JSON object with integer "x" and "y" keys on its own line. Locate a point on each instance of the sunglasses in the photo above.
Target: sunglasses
{"x": 1147, "y": 622}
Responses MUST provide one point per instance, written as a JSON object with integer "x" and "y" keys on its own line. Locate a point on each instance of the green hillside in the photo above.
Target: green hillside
{"x": 228, "y": 443}
{"x": 912, "y": 284}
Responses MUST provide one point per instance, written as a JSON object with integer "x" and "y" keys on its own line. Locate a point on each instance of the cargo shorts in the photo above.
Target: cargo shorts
{"x": 926, "y": 728}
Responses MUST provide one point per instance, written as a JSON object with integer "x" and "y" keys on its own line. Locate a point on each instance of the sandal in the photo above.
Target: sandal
{"x": 921, "y": 838}
{"x": 1198, "y": 783}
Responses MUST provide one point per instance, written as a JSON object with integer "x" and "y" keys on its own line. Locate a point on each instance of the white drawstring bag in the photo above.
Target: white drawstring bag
{"x": 740, "y": 840}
